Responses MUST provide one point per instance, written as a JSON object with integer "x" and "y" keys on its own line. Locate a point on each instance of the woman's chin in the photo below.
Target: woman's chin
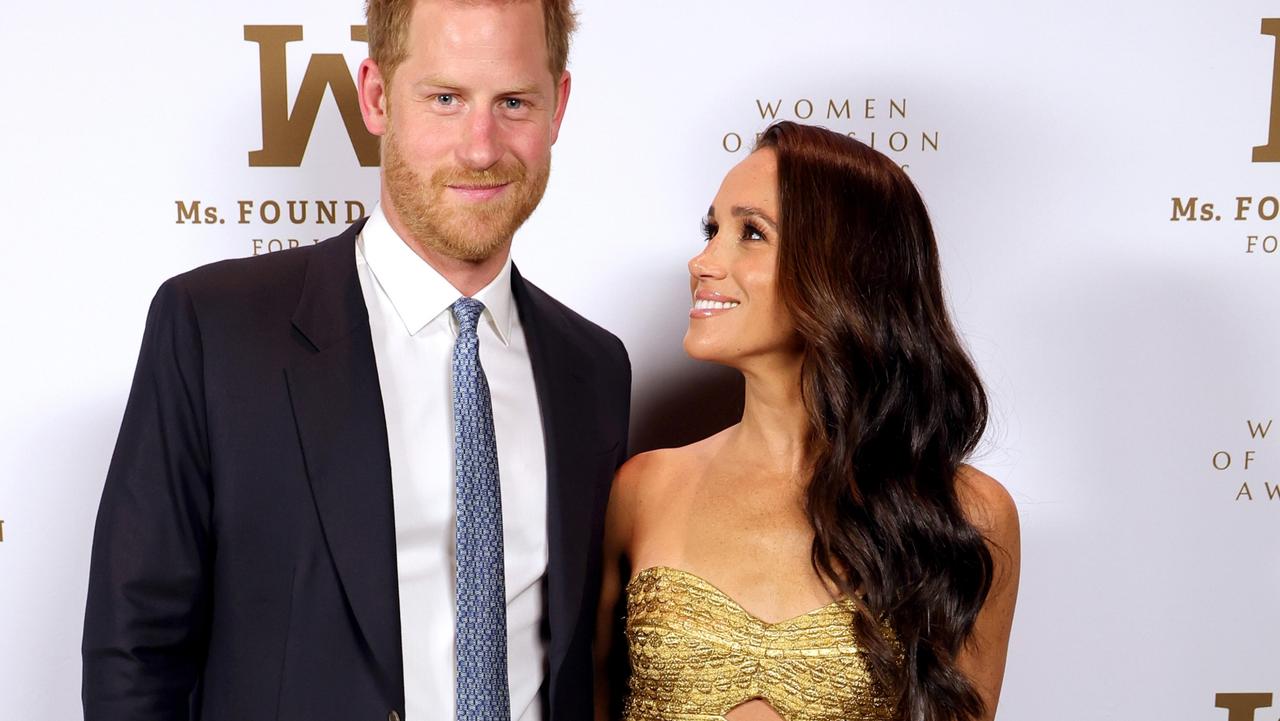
{"x": 704, "y": 349}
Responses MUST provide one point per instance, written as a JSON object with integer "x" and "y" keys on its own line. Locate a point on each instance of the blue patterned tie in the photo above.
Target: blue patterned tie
{"x": 482, "y": 693}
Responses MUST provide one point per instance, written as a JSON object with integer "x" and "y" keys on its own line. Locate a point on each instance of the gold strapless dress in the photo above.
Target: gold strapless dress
{"x": 696, "y": 654}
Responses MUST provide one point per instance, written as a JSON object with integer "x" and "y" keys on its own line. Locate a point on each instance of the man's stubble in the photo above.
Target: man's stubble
{"x": 471, "y": 234}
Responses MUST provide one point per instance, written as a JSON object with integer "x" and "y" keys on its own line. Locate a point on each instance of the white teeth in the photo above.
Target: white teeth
{"x": 713, "y": 304}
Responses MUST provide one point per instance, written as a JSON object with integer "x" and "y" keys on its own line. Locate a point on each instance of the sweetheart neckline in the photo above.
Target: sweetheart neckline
{"x": 733, "y": 603}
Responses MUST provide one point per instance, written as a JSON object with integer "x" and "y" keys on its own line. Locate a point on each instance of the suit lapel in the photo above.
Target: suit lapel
{"x": 565, "y": 407}
{"x": 337, "y": 405}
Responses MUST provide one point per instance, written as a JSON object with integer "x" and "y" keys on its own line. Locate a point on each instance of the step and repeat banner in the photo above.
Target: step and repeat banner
{"x": 1104, "y": 179}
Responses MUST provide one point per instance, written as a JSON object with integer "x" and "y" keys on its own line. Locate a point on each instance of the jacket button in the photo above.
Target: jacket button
{"x": 393, "y": 716}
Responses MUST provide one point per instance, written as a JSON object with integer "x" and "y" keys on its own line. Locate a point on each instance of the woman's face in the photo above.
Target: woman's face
{"x": 737, "y": 315}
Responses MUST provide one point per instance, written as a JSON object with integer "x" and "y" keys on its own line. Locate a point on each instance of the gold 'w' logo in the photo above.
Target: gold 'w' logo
{"x": 285, "y": 133}
{"x": 1270, "y": 153}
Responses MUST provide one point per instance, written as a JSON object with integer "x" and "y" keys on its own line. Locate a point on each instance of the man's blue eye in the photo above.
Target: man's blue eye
{"x": 514, "y": 103}
{"x": 444, "y": 99}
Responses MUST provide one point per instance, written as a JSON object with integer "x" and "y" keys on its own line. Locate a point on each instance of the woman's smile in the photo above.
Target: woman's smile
{"x": 710, "y": 303}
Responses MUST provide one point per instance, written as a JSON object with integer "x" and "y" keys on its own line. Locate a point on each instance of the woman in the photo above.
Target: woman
{"x": 830, "y": 556}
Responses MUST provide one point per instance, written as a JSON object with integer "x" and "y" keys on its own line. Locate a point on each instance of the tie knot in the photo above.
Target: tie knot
{"x": 467, "y": 311}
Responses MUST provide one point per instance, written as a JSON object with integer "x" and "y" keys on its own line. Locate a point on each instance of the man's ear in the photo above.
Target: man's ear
{"x": 562, "y": 100}
{"x": 373, "y": 97}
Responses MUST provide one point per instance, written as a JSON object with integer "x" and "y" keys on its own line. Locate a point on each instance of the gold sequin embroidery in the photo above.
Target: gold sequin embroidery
{"x": 696, "y": 654}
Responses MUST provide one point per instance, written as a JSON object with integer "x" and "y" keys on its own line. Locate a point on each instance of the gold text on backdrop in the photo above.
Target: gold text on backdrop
{"x": 1247, "y": 208}
{"x": 1244, "y": 460}
{"x": 296, "y": 213}
{"x": 1241, "y": 706}
{"x": 879, "y": 123}
{"x": 270, "y": 212}
{"x": 1270, "y": 153}
{"x": 285, "y": 133}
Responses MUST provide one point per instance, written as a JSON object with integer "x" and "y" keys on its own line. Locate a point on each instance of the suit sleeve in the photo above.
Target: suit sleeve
{"x": 146, "y": 619}
{"x": 624, "y": 365}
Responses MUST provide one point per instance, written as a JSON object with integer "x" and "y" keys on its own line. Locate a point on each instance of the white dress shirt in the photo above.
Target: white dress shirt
{"x": 413, "y": 335}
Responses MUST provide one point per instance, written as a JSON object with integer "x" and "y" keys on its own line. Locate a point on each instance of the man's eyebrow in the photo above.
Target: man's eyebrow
{"x": 530, "y": 89}
{"x": 445, "y": 83}
{"x": 437, "y": 82}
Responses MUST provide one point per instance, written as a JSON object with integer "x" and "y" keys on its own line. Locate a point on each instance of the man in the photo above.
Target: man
{"x": 366, "y": 479}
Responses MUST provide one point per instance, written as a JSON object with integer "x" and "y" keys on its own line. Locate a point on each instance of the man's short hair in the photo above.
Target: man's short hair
{"x": 388, "y": 22}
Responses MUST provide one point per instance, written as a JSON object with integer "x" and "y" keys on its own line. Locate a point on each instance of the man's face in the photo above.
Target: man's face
{"x": 470, "y": 117}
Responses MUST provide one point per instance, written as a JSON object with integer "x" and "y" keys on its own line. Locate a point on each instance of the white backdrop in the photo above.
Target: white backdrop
{"x": 1123, "y": 349}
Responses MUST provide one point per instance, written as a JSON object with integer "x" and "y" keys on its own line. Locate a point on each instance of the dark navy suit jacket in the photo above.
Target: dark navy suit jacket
{"x": 244, "y": 559}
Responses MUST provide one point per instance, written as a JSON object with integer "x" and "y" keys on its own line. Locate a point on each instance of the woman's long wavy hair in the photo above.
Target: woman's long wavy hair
{"x": 894, "y": 405}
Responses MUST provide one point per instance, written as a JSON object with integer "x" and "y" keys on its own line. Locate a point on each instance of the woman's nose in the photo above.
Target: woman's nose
{"x": 705, "y": 265}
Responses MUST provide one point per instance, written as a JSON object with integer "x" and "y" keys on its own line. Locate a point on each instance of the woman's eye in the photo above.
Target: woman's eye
{"x": 751, "y": 232}
{"x": 709, "y": 230}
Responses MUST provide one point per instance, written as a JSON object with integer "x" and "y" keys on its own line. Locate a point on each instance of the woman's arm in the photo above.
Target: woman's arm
{"x": 992, "y": 510}
{"x": 619, "y": 524}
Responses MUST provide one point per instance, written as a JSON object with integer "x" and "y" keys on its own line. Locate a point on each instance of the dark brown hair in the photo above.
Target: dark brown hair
{"x": 894, "y": 405}
{"x": 388, "y": 22}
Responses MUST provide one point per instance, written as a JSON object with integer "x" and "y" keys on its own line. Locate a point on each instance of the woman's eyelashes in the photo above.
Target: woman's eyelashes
{"x": 750, "y": 231}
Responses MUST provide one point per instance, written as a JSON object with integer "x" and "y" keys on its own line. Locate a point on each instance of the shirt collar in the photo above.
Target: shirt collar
{"x": 417, "y": 291}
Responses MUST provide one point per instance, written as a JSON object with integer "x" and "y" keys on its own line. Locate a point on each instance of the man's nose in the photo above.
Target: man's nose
{"x": 482, "y": 143}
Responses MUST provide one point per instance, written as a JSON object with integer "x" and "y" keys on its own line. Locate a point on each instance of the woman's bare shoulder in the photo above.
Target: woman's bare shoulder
{"x": 639, "y": 485}
{"x": 988, "y": 505}
{"x": 640, "y": 470}
{"x": 648, "y": 476}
